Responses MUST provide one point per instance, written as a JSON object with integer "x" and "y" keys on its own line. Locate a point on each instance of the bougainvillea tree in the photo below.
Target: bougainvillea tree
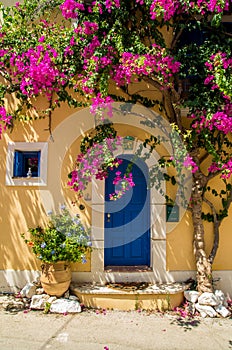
{"x": 75, "y": 51}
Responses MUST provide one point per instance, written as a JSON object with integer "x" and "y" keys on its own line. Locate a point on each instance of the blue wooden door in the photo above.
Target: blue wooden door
{"x": 127, "y": 220}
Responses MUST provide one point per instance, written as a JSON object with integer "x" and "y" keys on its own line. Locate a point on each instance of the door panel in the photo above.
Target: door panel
{"x": 127, "y": 220}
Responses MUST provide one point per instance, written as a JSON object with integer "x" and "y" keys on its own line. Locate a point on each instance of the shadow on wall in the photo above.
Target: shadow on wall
{"x": 20, "y": 209}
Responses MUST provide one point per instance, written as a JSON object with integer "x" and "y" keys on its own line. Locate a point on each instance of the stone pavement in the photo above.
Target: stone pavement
{"x": 113, "y": 330}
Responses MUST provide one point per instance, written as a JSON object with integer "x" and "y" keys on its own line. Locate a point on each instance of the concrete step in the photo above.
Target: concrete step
{"x": 160, "y": 297}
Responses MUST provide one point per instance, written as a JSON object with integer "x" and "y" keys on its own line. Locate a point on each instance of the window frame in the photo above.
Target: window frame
{"x": 13, "y": 147}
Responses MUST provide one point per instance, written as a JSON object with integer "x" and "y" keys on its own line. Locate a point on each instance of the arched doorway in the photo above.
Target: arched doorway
{"x": 127, "y": 220}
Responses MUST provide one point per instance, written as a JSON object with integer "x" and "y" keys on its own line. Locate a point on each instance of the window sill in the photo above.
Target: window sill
{"x": 24, "y": 181}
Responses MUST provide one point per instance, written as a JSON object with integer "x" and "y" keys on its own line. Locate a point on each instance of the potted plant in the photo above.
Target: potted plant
{"x": 63, "y": 240}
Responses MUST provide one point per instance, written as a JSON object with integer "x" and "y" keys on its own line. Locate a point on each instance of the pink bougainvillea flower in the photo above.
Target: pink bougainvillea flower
{"x": 70, "y": 8}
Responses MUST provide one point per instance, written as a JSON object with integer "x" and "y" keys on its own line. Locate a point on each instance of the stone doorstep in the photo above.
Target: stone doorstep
{"x": 139, "y": 268}
{"x": 163, "y": 288}
{"x": 158, "y": 297}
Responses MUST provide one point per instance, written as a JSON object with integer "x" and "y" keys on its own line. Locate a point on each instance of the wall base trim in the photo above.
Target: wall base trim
{"x": 14, "y": 280}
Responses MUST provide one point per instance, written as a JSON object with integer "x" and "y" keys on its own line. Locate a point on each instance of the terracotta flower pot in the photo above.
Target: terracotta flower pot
{"x": 55, "y": 277}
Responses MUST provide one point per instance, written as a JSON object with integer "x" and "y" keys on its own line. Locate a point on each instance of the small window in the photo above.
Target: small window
{"x": 26, "y": 164}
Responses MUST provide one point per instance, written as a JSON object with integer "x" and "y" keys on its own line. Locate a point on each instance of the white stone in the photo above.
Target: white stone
{"x": 4, "y": 300}
{"x": 221, "y": 297}
{"x": 205, "y": 310}
{"x": 62, "y": 305}
{"x": 51, "y": 299}
{"x": 73, "y": 297}
{"x": 28, "y": 290}
{"x": 15, "y": 305}
{"x": 38, "y": 302}
{"x": 191, "y": 295}
{"x": 191, "y": 308}
{"x": 39, "y": 291}
{"x": 208, "y": 299}
{"x": 222, "y": 310}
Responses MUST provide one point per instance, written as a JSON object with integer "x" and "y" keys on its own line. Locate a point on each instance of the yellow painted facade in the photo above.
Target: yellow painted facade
{"x": 23, "y": 206}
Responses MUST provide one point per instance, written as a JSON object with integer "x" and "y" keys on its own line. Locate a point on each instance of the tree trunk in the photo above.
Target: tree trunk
{"x": 203, "y": 265}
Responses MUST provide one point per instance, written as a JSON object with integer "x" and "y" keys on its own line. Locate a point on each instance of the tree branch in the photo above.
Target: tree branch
{"x": 216, "y": 224}
{"x": 50, "y": 118}
{"x": 169, "y": 99}
{"x": 228, "y": 202}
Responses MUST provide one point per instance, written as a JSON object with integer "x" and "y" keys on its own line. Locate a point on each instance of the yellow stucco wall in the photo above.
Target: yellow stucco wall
{"x": 179, "y": 242}
{"x": 23, "y": 207}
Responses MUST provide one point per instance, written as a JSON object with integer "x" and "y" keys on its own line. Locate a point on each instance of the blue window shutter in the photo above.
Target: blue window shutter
{"x": 24, "y": 164}
{"x": 18, "y": 164}
{"x": 38, "y": 155}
